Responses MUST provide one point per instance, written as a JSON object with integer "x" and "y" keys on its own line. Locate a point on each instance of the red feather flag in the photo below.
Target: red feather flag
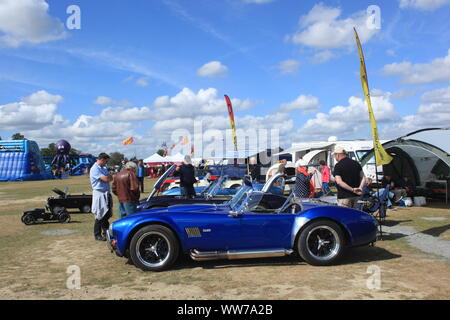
{"x": 231, "y": 114}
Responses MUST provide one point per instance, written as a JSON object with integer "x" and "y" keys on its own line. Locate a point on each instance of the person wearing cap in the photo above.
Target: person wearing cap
{"x": 101, "y": 197}
{"x": 126, "y": 187}
{"x": 186, "y": 172}
{"x": 304, "y": 187}
{"x": 349, "y": 177}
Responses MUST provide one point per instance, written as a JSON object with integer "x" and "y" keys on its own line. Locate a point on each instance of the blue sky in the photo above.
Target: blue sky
{"x": 145, "y": 68}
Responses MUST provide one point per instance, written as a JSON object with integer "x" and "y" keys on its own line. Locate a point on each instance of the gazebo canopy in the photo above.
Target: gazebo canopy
{"x": 154, "y": 158}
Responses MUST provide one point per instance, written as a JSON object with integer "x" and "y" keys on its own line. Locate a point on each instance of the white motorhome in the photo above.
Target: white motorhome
{"x": 315, "y": 151}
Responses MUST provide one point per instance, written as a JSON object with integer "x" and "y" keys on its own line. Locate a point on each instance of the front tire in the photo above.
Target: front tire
{"x": 321, "y": 243}
{"x": 154, "y": 248}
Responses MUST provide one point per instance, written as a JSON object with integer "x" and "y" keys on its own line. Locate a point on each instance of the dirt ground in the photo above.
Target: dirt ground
{"x": 35, "y": 261}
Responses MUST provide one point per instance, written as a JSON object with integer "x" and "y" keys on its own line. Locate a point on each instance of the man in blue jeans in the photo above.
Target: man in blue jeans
{"x": 126, "y": 187}
{"x": 101, "y": 197}
{"x": 141, "y": 174}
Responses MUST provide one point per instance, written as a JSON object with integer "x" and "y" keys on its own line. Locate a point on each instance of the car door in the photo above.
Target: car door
{"x": 265, "y": 231}
{"x": 215, "y": 230}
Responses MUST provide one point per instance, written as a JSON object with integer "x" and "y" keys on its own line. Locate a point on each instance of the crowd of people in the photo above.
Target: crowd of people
{"x": 127, "y": 184}
{"x": 351, "y": 183}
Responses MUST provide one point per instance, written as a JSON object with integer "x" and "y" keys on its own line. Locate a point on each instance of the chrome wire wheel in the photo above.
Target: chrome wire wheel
{"x": 323, "y": 243}
{"x": 153, "y": 249}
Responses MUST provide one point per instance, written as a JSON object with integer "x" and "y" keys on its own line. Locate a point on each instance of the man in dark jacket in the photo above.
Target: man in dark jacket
{"x": 126, "y": 187}
{"x": 187, "y": 177}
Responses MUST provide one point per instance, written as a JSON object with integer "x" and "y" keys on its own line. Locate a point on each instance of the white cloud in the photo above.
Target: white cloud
{"x": 441, "y": 95}
{"x": 28, "y": 21}
{"x": 43, "y": 97}
{"x": 348, "y": 121}
{"x": 426, "y": 5}
{"x": 107, "y": 101}
{"x": 143, "y": 81}
{"x": 104, "y": 101}
{"x": 185, "y": 104}
{"x": 189, "y": 104}
{"x": 391, "y": 52}
{"x": 436, "y": 71}
{"x": 322, "y": 29}
{"x": 403, "y": 93}
{"x": 128, "y": 79}
{"x": 288, "y": 67}
{"x": 306, "y": 103}
{"x": 212, "y": 69}
{"x": 322, "y": 56}
{"x": 126, "y": 114}
{"x": 434, "y": 112}
{"x": 33, "y": 112}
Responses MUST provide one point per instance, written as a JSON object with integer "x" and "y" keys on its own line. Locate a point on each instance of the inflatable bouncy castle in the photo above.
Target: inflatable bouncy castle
{"x": 21, "y": 160}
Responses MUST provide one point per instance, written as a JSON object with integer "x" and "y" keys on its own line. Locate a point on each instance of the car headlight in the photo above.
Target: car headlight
{"x": 111, "y": 233}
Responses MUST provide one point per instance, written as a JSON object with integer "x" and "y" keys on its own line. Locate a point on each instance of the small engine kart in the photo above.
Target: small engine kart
{"x": 40, "y": 214}
{"x": 65, "y": 200}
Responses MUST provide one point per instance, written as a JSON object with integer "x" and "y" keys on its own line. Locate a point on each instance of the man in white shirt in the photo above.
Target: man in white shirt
{"x": 101, "y": 197}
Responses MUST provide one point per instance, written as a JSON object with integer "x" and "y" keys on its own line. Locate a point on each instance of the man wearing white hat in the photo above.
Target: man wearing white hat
{"x": 350, "y": 178}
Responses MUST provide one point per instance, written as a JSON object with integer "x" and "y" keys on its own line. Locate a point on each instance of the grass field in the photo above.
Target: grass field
{"x": 34, "y": 263}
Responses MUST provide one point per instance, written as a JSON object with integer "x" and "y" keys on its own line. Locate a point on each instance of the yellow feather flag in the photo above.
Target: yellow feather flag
{"x": 381, "y": 156}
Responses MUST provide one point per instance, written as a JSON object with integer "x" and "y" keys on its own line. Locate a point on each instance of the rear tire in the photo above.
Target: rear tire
{"x": 321, "y": 243}
{"x": 64, "y": 217}
{"x": 28, "y": 219}
{"x": 154, "y": 248}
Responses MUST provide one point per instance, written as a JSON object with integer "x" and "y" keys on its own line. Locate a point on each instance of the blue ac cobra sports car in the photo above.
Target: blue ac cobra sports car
{"x": 252, "y": 224}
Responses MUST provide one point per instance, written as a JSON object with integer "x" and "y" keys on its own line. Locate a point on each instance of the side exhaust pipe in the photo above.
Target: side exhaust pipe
{"x": 238, "y": 254}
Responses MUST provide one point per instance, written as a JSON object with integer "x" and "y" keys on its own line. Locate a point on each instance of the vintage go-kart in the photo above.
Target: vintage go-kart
{"x": 252, "y": 224}
{"x": 65, "y": 200}
{"x": 37, "y": 215}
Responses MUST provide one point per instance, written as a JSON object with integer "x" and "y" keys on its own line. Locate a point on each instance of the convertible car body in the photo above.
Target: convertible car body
{"x": 252, "y": 224}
